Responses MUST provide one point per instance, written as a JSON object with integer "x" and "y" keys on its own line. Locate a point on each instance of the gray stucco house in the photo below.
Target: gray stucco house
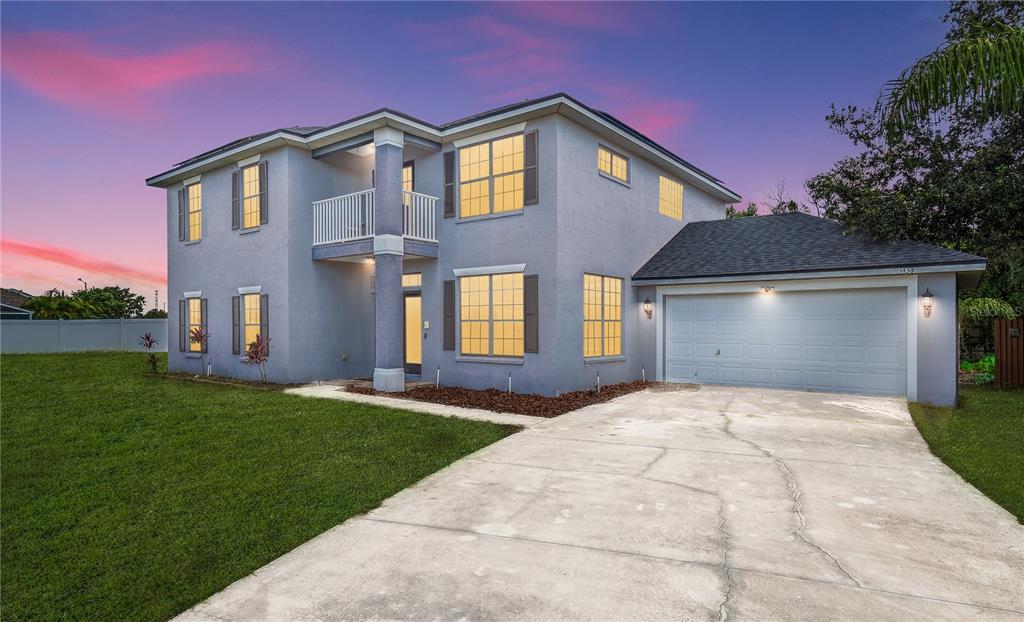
{"x": 543, "y": 244}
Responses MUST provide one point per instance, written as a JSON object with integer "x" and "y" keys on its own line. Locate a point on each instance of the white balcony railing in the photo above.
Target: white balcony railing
{"x": 350, "y": 217}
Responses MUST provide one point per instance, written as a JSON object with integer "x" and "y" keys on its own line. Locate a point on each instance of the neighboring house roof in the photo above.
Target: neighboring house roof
{"x": 14, "y": 297}
{"x": 10, "y": 312}
{"x": 315, "y": 135}
{"x": 784, "y": 243}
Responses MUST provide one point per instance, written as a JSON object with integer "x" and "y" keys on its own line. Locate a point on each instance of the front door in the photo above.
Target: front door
{"x": 413, "y": 336}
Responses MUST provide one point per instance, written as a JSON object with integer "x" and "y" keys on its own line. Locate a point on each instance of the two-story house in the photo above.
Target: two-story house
{"x": 541, "y": 244}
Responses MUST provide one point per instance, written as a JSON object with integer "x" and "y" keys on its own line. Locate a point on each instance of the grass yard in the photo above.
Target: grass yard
{"x": 133, "y": 498}
{"x": 983, "y": 441}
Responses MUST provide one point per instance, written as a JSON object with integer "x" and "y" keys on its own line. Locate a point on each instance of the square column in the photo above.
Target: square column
{"x": 388, "y": 248}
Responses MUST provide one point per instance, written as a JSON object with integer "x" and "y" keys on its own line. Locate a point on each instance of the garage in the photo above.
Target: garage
{"x": 851, "y": 341}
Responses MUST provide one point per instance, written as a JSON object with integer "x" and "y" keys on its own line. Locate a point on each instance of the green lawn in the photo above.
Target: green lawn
{"x": 133, "y": 498}
{"x": 983, "y": 441}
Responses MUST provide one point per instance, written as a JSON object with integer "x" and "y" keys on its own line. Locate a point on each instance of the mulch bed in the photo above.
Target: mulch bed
{"x": 519, "y": 403}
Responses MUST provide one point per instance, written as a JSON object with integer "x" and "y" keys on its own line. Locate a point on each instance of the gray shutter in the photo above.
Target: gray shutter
{"x": 264, "y": 204}
{"x": 182, "y": 327}
{"x": 449, "y": 184}
{"x": 531, "y": 328}
{"x": 531, "y": 192}
{"x": 265, "y": 319}
{"x": 236, "y": 325}
{"x": 202, "y": 320}
{"x": 449, "y": 315}
{"x": 236, "y": 183}
{"x": 182, "y": 228}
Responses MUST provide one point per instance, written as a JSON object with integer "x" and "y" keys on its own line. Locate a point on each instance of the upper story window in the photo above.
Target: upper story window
{"x": 408, "y": 176}
{"x": 412, "y": 279}
{"x": 251, "y": 196}
{"x": 602, "y": 315}
{"x": 612, "y": 164}
{"x": 195, "y": 211}
{"x": 491, "y": 177}
{"x": 670, "y": 198}
{"x": 491, "y": 314}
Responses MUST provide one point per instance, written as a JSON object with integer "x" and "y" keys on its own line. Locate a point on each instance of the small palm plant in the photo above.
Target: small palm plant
{"x": 257, "y": 354}
{"x": 149, "y": 342}
{"x": 199, "y": 335}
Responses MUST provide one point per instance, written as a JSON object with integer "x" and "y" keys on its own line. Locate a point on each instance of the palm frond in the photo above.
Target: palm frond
{"x": 985, "y": 73}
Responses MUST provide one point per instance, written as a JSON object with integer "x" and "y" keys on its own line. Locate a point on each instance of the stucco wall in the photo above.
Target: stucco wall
{"x": 937, "y": 357}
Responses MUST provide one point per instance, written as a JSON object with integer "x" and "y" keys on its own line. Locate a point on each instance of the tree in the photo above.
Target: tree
{"x": 732, "y": 212}
{"x": 113, "y": 301}
{"x": 980, "y": 69}
{"x": 56, "y": 305}
{"x": 957, "y": 183}
{"x": 778, "y": 201}
{"x": 155, "y": 313}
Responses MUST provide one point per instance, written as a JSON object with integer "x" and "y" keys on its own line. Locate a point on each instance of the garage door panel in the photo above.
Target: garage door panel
{"x": 847, "y": 340}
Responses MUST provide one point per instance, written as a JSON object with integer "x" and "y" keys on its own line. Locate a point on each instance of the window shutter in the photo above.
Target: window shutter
{"x": 236, "y": 183}
{"x": 236, "y": 325}
{"x": 531, "y": 329}
{"x": 264, "y": 204}
{"x": 449, "y": 184}
{"x": 531, "y": 192}
{"x": 202, "y": 320}
{"x": 182, "y": 327}
{"x": 449, "y": 315}
{"x": 182, "y": 228}
{"x": 265, "y": 318}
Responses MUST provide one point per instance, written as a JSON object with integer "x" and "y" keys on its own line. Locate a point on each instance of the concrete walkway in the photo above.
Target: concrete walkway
{"x": 708, "y": 504}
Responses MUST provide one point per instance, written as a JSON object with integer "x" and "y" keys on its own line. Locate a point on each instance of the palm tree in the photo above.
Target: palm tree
{"x": 56, "y": 305}
{"x": 983, "y": 72}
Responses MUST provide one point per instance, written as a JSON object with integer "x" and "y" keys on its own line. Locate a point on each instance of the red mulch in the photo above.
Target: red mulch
{"x": 520, "y": 403}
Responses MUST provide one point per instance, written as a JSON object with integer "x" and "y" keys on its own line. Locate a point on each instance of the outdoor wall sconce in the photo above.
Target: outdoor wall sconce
{"x": 927, "y": 300}
{"x": 767, "y": 289}
{"x": 648, "y": 308}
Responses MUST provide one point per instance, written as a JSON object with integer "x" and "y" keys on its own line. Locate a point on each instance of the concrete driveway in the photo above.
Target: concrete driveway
{"x": 682, "y": 504}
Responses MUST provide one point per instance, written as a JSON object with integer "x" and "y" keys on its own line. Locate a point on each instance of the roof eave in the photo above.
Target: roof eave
{"x": 893, "y": 270}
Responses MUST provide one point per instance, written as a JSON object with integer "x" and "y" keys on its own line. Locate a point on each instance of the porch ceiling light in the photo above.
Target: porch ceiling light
{"x": 927, "y": 300}
{"x": 648, "y": 308}
{"x": 767, "y": 289}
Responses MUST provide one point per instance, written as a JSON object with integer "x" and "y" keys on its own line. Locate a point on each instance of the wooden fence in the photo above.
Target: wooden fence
{"x": 1009, "y": 353}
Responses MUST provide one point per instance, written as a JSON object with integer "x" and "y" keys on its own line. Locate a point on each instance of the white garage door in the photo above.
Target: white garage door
{"x": 847, "y": 340}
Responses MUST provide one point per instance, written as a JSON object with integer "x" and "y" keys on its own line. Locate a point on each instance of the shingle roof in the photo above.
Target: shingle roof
{"x": 783, "y": 243}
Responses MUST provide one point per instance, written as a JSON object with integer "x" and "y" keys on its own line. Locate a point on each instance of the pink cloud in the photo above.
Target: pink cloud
{"x": 658, "y": 117}
{"x": 68, "y": 258}
{"x": 72, "y": 70}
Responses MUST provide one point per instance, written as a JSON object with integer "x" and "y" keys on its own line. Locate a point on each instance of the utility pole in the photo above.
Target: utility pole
{"x": 84, "y": 284}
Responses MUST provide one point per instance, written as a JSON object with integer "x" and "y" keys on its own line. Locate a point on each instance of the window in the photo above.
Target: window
{"x": 414, "y": 279}
{"x": 195, "y": 320}
{"x": 670, "y": 198}
{"x": 491, "y": 177}
{"x": 407, "y": 177}
{"x": 251, "y": 196}
{"x": 612, "y": 164}
{"x": 250, "y": 317}
{"x": 602, "y": 315}
{"x": 491, "y": 314}
{"x": 195, "y": 211}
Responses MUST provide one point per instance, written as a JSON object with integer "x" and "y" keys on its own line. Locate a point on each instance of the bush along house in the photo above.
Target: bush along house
{"x": 545, "y": 242}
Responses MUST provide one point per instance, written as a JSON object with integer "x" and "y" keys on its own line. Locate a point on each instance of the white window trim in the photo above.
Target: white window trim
{"x": 517, "y": 128}
{"x": 195, "y": 294}
{"x": 249, "y": 161}
{"x": 513, "y": 267}
{"x": 252, "y": 289}
{"x": 192, "y": 180}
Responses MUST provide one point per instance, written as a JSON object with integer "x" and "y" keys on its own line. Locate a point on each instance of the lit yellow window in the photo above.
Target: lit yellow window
{"x": 195, "y": 320}
{"x": 670, "y": 198}
{"x": 407, "y": 177}
{"x": 251, "y": 196}
{"x": 602, "y": 315}
{"x": 195, "y": 212}
{"x": 491, "y": 314}
{"x": 250, "y": 317}
{"x": 612, "y": 164}
{"x": 414, "y": 279}
{"x": 491, "y": 177}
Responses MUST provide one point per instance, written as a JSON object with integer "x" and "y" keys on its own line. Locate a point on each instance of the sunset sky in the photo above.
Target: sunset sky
{"x": 97, "y": 97}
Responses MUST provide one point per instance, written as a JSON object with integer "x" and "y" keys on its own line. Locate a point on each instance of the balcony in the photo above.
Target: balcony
{"x": 346, "y": 224}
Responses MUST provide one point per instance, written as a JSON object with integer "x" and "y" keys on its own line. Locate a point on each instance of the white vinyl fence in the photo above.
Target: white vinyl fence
{"x": 78, "y": 335}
